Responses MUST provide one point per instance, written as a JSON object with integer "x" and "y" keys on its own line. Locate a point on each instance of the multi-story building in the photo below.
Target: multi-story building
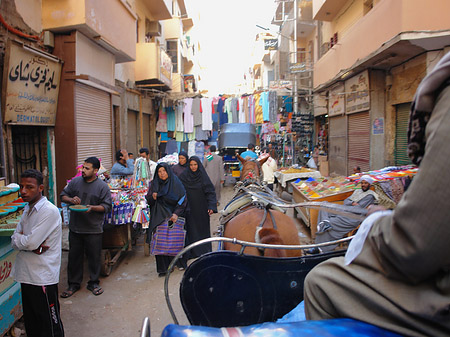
{"x": 113, "y": 64}
{"x": 371, "y": 56}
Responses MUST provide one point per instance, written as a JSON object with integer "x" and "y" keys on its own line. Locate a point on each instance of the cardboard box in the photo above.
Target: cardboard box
{"x": 324, "y": 168}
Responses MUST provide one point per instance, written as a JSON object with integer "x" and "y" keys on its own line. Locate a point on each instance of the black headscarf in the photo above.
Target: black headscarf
{"x": 171, "y": 188}
{"x": 197, "y": 178}
{"x": 185, "y": 155}
{"x": 423, "y": 105}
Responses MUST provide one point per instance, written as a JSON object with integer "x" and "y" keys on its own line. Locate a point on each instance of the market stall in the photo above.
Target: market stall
{"x": 10, "y": 296}
{"x": 286, "y": 174}
{"x": 390, "y": 184}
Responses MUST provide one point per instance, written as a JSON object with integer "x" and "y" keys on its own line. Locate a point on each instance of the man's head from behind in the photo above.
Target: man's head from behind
{"x": 212, "y": 148}
{"x": 144, "y": 152}
{"x": 251, "y": 146}
{"x": 31, "y": 185}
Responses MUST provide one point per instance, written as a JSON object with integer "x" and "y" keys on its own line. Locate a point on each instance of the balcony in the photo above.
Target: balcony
{"x": 408, "y": 29}
{"x": 110, "y": 24}
{"x": 160, "y": 9}
{"x": 326, "y": 10}
{"x": 153, "y": 67}
{"x": 173, "y": 29}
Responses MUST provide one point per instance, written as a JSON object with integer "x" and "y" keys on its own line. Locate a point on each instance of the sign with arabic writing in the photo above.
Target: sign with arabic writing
{"x": 357, "y": 96}
{"x": 31, "y": 79}
{"x": 271, "y": 44}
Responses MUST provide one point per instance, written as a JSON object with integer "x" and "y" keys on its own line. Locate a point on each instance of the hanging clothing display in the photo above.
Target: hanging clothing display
{"x": 179, "y": 122}
{"x": 201, "y": 134}
{"x": 161, "y": 125}
{"x": 223, "y": 116}
{"x": 234, "y": 110}
{"x": 197, "y": 116}
{"x": 188, "y": 117}
{"x": 258, "y": 109}
{"x": 273, "y": 106}
{"x": 206, "y": 111}
{"x": 170, "y": 118}
{"x": 264, "y": 101}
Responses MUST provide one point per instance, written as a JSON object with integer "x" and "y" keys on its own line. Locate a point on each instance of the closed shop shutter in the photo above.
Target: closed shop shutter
{"x": 132, "y": 135}
{"x": 93, "y": 124}
{"x": 337, "y": 146}
{"x": 146, "y": 129}
{"x": 358, "y": 141}
{"x": 401, "y": 140}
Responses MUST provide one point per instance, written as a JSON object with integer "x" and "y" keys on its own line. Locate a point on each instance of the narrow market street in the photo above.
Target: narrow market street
{"x": 132, "y": 292}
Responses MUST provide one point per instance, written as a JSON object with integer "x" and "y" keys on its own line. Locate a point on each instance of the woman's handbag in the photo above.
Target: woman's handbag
{"x": 168, "y": 238}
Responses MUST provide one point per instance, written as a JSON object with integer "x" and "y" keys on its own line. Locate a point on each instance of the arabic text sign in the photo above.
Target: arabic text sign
{"x": 357, "y": 89}
{"x": 336, "y": 102}
{"x": 270, "y": 44}
{"x": 32, "y": 87}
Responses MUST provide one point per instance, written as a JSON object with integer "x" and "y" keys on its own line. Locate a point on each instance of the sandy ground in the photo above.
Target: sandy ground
{"x": 132, "y": 292}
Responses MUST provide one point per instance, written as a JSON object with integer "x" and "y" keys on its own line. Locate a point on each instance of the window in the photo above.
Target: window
{"x": 172, "y": 51}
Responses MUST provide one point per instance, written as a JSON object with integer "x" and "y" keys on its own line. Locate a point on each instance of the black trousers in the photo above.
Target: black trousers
{"x": 79, "y": 244}
{"x": 41, "y": 310}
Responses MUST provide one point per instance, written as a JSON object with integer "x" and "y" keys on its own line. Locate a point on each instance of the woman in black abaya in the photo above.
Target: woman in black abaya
{"x": 201, "y": 204}
{"x": 166, "y": 198}
{"x": 182, "y": 164}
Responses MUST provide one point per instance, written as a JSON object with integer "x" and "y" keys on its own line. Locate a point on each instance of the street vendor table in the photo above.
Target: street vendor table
{"x": 309, "y": 216}
{"x": 285, "y": 178}
{"x": 11, "y": 209}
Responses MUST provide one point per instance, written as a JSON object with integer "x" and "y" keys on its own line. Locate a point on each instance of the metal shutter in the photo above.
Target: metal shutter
{"x": 132, "y": 132}
{"x": 146, "y": 130}
{"x": 359, "y": 141}
{"x": 93, "y": 124}
{"x": 337, "y": 146}
{"x": 401, "y": 140}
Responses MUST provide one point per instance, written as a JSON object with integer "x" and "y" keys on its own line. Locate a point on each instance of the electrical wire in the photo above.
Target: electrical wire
{"x": 16, "y": 31}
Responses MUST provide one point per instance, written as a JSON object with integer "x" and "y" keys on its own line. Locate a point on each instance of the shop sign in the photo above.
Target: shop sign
{"x": 31, "y": 80}
{"x": 297, "y": 68}
{"x": 320, "y": 104}
{"x": 336, "y": 101}
{"x": 378, "y": 126}
{"x": 357, "y": 97}
{"x": 165, "y": 68}
{"x": 6, "y": 263}
{"x": 270, "y": 44}
{"x": 278, "y": 85}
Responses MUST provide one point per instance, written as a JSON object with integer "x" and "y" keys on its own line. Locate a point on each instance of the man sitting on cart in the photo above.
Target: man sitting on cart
{"x": 249, "y": 154}
{"x": 332, "y": 227}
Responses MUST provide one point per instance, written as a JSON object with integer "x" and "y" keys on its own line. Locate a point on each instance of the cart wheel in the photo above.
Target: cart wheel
{"x": 106, "y": 259}
{"x": 146, "y": 249}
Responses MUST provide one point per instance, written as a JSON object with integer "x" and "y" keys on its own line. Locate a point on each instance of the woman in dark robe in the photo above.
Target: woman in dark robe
{"x": 202, "y": 203}
{"x": 166, "y": 198}
{"x": 182, "y": 164}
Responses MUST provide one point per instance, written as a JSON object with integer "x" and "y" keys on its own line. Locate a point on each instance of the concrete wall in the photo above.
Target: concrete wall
{"x": 30, "y": 11}
{"x": 377, "y": 107}
{"x": 91, "y": 59}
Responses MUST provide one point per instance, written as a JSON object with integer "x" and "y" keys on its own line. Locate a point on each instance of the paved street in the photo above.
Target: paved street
{"x": 132, "y": 292}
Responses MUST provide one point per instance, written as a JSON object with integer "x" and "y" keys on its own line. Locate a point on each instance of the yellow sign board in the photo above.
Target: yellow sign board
{"x": 31, "y": 79}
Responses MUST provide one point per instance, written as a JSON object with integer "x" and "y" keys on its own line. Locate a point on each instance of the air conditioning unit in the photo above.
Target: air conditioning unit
{"x": 152, "y": 28}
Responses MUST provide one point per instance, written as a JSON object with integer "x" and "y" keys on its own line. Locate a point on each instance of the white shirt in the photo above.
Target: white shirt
{"x": 268, "y": 168}
{"x": 40, "y": 224}
{"x": 207, "y": 122}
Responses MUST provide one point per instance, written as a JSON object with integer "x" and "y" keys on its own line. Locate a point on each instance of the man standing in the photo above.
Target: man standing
{"x": 38, "y": 240}
{"x": 86, "y": 228}
{"x": 268, "y": 168}
{"x": 214, "y": 167}
{"x": 124, "y": 166}
{"x": 145, "y": 153}
{"x": 332, "y": 227}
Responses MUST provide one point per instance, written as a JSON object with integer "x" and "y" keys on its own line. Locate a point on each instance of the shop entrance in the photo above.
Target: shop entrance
{"x": 27, "y": 151}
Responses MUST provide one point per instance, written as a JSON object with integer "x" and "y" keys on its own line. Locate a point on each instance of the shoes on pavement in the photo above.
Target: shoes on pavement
{"x": 70, "y": 291}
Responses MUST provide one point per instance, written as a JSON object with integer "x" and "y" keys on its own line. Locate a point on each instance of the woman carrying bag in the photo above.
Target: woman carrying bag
{"x": 167, "y": 200}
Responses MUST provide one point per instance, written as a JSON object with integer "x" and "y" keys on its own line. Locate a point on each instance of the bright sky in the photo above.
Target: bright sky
{"x": 226, "y": 31}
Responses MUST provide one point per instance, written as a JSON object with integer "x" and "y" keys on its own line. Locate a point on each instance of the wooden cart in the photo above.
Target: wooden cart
{"x": 309, "y": 216}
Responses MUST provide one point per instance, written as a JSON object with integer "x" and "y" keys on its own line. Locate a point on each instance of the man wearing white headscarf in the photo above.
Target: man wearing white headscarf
{"x": 332, "y": 227}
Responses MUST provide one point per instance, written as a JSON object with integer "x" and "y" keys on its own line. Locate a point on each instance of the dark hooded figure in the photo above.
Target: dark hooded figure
{"x": 202, "y": 203}
{"x": 166, "y": 198}
{"x": 182, "y": 164}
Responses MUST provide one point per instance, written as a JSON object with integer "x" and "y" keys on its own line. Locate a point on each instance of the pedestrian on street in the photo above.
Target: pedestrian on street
{"x": 86, "y": 228}
{"x": 268, "y": 168}
{"x": 166, "y": 198}
{"x": 214, "y": 167}
{"x": 38, "y": 240}
{"x": 182, "y": 164}
{"x": 124, "y": 166}
{"x": 145, "y": 153}
{"x": 201, "y": 204}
